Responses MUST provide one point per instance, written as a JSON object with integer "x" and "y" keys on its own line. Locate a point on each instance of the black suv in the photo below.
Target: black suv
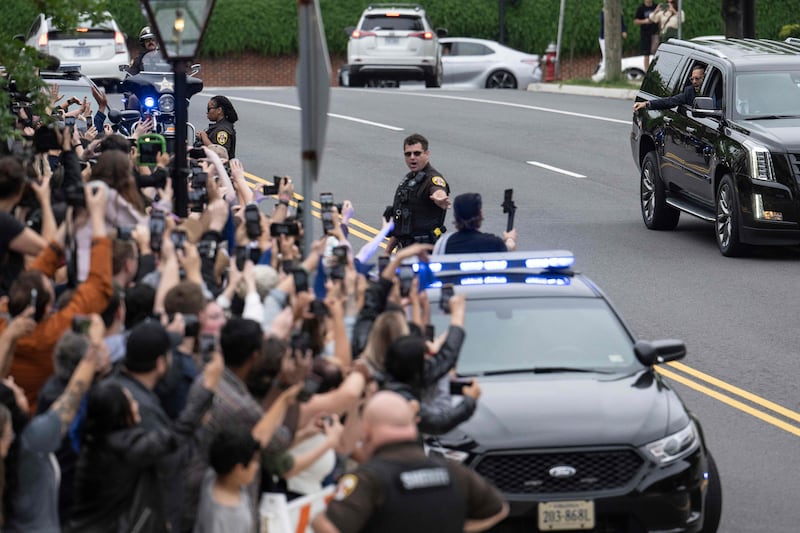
{"x": 574, "y": 424}
{"x": 733, "y": 155}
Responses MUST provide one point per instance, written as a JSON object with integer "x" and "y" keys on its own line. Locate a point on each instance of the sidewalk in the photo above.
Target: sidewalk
{"x": 585, "y": 90}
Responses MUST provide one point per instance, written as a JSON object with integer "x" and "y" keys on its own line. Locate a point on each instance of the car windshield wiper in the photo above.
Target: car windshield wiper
{"x": 771, "y": 117}
{"x": 543, "y": 370}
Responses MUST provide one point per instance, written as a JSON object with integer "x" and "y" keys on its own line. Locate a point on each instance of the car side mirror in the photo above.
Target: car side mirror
{"x": 703, "y": 106}
{"x": 650, "y": 353}
{"x": 441, "y": 32}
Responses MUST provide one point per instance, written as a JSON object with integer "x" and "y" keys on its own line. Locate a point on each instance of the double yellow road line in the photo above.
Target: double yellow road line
{"x": 722, "y": 391}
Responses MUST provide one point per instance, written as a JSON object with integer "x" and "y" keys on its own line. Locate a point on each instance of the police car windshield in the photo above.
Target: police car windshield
{"x": 513, "y": 335}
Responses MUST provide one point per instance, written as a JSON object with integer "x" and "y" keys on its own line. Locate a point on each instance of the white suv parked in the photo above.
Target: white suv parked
{"x": 394, "y": 42}
{"x": 99, "y": 48}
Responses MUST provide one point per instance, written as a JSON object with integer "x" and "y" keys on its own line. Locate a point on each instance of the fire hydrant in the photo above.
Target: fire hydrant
{"x": 550, "y": 62}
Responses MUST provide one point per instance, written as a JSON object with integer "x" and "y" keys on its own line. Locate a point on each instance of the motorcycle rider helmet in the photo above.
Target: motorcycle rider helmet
{"x": 145, "y": 35}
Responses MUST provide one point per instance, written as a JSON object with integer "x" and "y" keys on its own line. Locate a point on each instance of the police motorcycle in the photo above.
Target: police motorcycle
{"x": 150, "y": 94}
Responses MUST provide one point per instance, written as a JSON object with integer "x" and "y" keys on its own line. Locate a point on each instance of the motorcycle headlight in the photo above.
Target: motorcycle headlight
{"x": 760, "y": 162}
{"x": 675, "y": 446}
{"x": 166, "y": 103}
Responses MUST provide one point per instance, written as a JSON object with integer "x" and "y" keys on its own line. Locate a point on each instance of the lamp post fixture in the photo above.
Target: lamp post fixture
{"x": 179, "y": 27}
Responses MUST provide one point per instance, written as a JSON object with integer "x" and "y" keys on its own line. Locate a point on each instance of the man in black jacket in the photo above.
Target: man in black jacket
{"x": 686, "y": 97}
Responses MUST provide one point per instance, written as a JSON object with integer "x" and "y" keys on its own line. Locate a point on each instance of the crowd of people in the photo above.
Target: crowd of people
{"x": 160, "y": 373}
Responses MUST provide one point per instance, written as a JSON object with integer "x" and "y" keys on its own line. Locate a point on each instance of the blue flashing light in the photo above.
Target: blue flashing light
{"x": 495, "y": 280}
{"x": 436, "y": 284}
{"x": 149, "y": 102}
{"x": 435, "y": 267}
{"x": 478, "y": 280}
{"x": 547, "y": 280}
{"x": 550, "y": 262}
{"x": 495, "y": 265}
{"x": 470, "y": 266}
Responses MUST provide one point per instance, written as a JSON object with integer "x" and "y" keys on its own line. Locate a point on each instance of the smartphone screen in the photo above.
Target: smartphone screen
{"x": 300, "y": 280}
{"x": 406, "y": 276}
{"x": 444, "y": 298}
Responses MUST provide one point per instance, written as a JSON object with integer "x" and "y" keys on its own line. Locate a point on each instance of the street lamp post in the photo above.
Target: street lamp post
{"x": 179, "y": 27}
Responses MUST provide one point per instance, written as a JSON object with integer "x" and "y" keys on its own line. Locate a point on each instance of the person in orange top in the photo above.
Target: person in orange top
{"x": 32, "y": 362}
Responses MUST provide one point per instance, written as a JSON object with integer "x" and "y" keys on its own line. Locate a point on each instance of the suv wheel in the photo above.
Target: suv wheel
{"x": 655, "y": 211}
{"x": 727, "y": 223}
{"x": 435, "y": 79}
{"x": 712, "y": 510}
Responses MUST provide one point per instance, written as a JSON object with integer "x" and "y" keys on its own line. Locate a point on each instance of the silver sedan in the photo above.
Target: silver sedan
{"x": 479, "y": 63}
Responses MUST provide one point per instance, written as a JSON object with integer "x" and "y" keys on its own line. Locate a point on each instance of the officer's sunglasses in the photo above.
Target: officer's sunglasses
{"x": 415, "y": 153}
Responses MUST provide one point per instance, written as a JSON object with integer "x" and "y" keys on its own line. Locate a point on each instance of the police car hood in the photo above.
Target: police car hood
{"x": 783, "y": 132}
{"x": 566, "y": 409}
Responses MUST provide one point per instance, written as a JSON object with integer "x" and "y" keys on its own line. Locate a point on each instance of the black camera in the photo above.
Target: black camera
{"x": 197, "y": 153}
{"x": 277, "y": 229}
{"x": 208, "y": 344}
{"x": 252, "y": 221}
{"x": 45, "y": 138}
{"x": 158, "y": 224}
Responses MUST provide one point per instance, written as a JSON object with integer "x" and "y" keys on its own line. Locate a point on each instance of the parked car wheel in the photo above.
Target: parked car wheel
{"x": 712, "y": 511}
{"x": 633, "y": 74}
{"x": 656, "y": 213}
{"x": 727, "y": 223}
{"x": 501, "y": 79}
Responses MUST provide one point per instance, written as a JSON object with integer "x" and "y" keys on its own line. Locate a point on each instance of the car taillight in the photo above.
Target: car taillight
{"x": 119, "y": 43}
{"x": 43, "y": 43}
{"x": 358, "y": 34}
{"x": 427, "y": 35}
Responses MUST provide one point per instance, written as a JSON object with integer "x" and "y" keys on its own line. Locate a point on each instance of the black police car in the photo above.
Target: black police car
{"x": 574, "y": 425}
{"x": 733, "y": 157}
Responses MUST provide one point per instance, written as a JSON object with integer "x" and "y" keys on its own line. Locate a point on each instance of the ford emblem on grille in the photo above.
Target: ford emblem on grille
{"x": 562, "y": 471}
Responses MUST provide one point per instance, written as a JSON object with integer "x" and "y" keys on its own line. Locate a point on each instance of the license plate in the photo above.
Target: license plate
{"x": 560, "y": 516}
{"x": 392, "y": 40}
{"x": 82, "y": 51}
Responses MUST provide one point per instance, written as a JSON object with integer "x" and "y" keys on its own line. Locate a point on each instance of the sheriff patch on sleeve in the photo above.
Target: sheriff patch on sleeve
{"x": 438, "y": 180}
{"x": 222, "y": 137}
{"x": 347, "y": 484}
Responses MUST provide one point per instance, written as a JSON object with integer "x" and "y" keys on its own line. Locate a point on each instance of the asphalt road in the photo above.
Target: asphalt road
{"x": 569, "y": 162}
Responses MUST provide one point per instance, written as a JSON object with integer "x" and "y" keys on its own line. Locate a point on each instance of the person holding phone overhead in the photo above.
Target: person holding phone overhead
{"x": 468, "y": 211}
{"x": 223, "y": 116}
{"x": 666, "y": 16}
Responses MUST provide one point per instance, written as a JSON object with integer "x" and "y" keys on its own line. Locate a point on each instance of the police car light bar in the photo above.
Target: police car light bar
{"x": 548, "y": 260}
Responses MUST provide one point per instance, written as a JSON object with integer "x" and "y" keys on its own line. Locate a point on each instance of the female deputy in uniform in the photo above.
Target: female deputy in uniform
{"x": 222, "y": 115}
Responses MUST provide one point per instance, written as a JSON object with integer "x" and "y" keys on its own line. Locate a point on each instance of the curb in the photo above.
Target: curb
{"x": 625, "y": 94}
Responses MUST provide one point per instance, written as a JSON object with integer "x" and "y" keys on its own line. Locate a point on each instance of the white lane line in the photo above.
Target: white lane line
{"x": 555, "y": 169}
{"x": 297, "y": 108}
{"x": 508, "y": 104}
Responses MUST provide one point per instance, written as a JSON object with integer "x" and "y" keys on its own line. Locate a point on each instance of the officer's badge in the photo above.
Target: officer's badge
{"x": 222, "y": 137}
{"x": 347, "y": 484}
{"x": 438, "y": 180}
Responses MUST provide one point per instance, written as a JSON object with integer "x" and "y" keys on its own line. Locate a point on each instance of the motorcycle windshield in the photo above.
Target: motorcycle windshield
{"x": 155, "y": 62}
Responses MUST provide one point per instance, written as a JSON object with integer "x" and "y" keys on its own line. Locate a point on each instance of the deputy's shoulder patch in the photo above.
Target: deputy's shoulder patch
{"x": 347, "y": 484}
{"x": 222, "y": 137}
{"x": 438, "y": 180}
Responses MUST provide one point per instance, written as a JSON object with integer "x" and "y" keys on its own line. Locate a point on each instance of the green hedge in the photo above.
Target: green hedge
{"x": 270, "y": 26}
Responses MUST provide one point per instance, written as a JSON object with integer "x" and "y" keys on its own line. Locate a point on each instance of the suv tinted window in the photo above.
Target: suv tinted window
{"x": 662, "y": 68}
{"x": 380, "y": 22}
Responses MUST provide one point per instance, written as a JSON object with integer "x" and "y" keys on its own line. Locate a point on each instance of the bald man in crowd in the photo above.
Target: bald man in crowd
{"x": 400, "y": 489}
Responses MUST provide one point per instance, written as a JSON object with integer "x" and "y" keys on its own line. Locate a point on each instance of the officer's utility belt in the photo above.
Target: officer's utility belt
{"x": 430, "y": 238}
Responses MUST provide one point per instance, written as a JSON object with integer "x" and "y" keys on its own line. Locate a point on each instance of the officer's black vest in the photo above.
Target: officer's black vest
{"x": 421, "y": 497}
{"x": 411, "y": 201}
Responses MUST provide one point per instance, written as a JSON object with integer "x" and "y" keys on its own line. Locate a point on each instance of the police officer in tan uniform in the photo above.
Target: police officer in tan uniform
{"x": 222, "y": 115}
{"x": 421, "y": 200}
{"x": 400, "y": 489}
